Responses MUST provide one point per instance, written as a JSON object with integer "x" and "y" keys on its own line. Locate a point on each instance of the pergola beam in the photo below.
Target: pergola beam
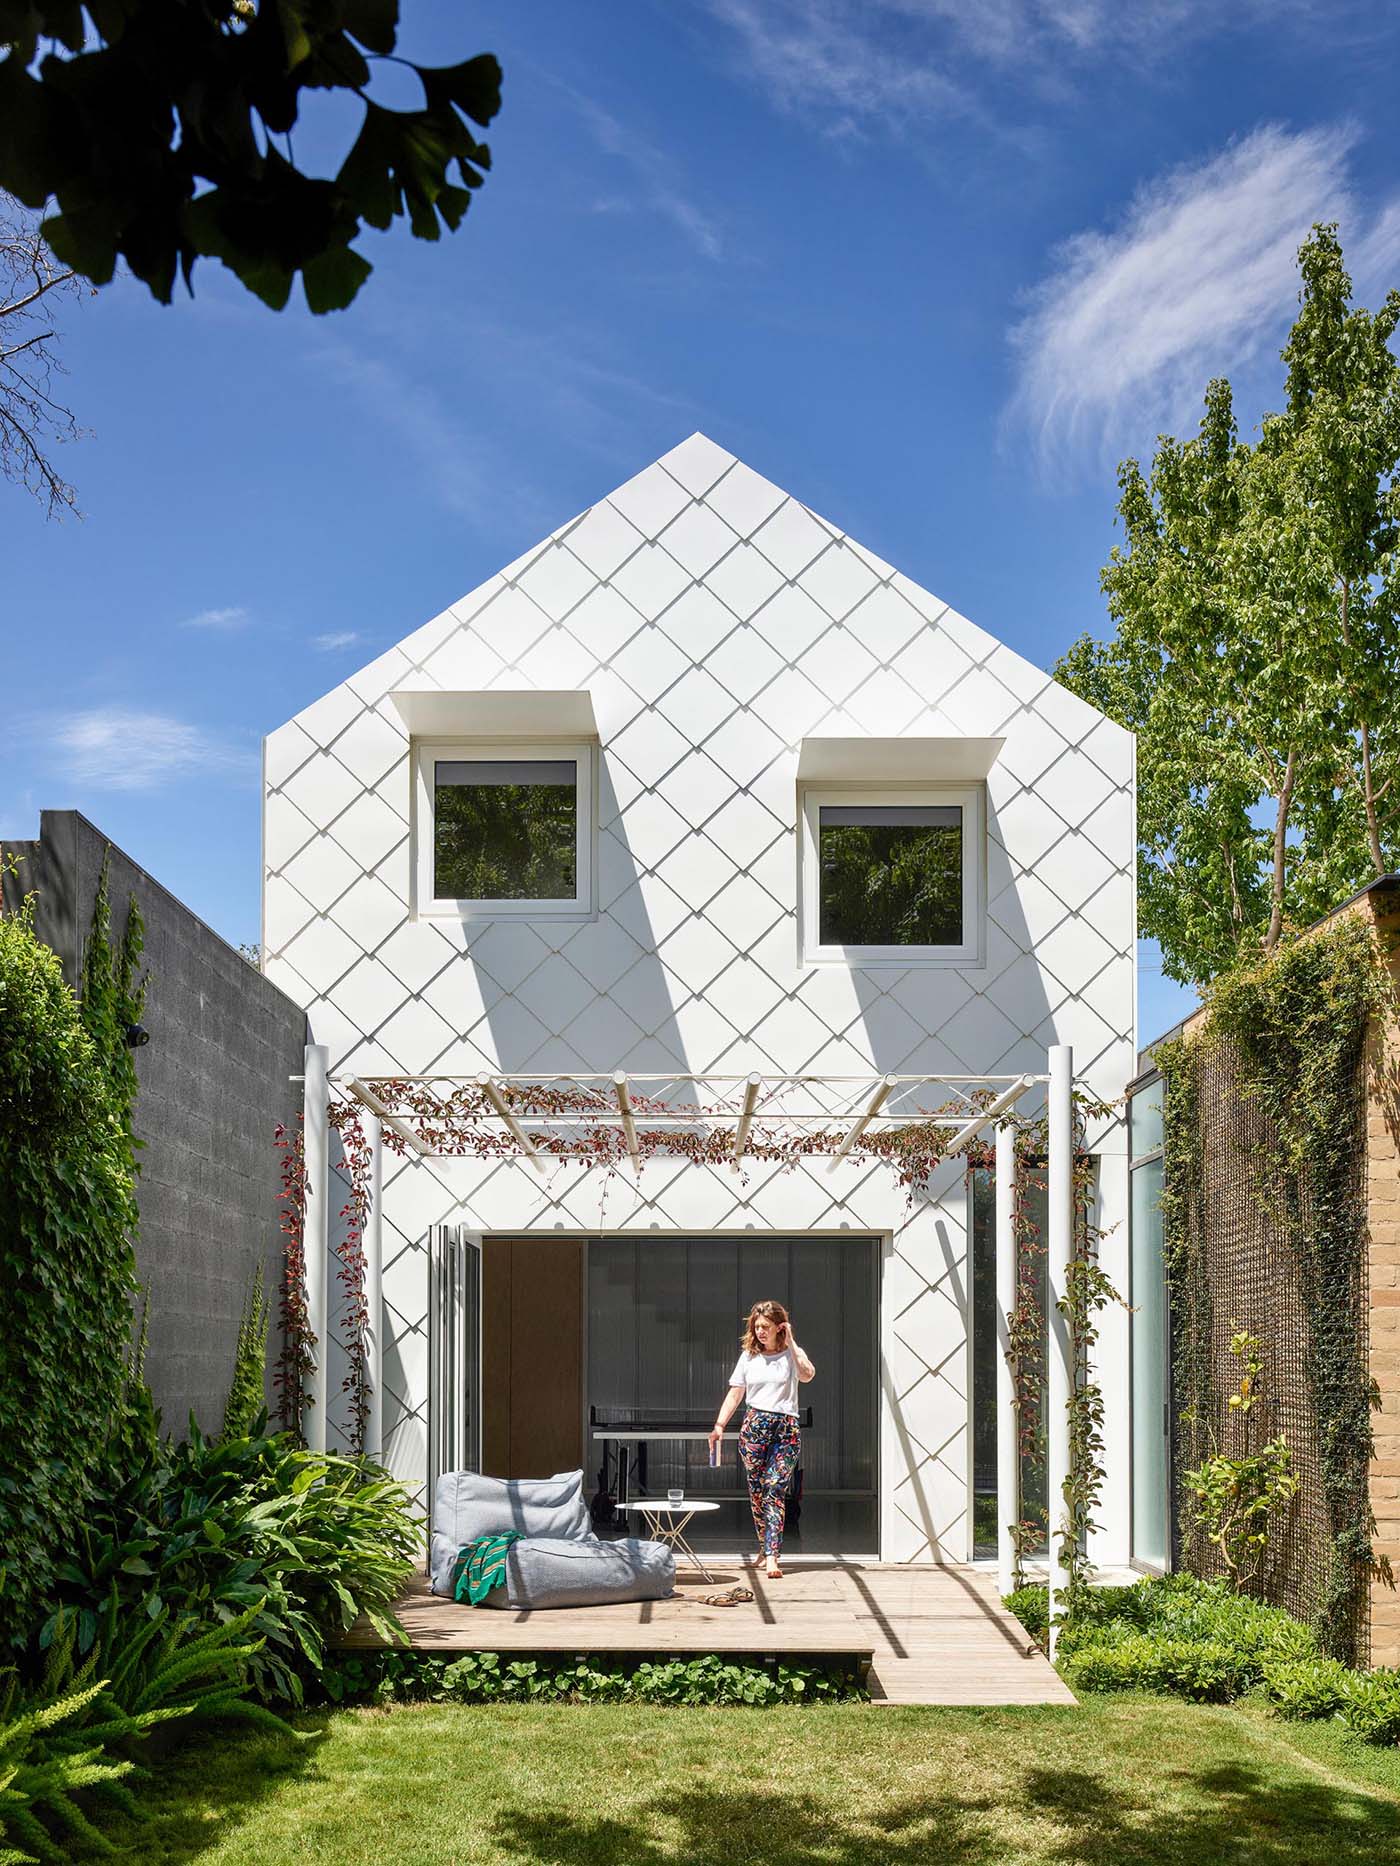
{"x": 992, "y": 1112}
{"x": 629, "y": 1124}
{"x": 741, "y": 1132}
{"x": 522, "y": 1140}
{"x": 376, "y": 1107}
{"x": 877, "y": 1101}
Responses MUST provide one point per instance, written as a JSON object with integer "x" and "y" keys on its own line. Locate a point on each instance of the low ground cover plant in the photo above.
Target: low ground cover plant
{"x": 388, "y": 1677}
{"x": 1183, "y": 1637}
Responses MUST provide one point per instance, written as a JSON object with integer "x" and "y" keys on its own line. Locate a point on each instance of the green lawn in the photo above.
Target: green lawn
{"x": 1116, "y": 1781}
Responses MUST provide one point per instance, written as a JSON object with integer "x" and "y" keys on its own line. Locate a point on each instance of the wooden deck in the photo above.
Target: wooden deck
{"x": 931, "y": 1635}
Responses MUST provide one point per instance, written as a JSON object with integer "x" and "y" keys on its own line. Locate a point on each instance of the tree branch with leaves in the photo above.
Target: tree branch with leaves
{"x": 1256, "y": 604}
{"x": 162, "y": 131}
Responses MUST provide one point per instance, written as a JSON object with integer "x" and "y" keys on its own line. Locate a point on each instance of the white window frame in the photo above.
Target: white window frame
{"x": 429, "y": 752}
{"x": 970, "y": 798}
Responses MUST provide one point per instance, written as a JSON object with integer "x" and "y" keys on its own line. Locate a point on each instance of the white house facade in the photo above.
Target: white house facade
{"x": 709, "y": 696}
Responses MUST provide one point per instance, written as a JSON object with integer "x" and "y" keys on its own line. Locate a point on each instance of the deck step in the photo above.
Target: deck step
{"x": 929, "y": 1635}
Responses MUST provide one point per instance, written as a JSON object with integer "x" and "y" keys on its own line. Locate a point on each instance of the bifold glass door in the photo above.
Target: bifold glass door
{"x": 664, "y": 1320}
{"x": 454, "y": 1353}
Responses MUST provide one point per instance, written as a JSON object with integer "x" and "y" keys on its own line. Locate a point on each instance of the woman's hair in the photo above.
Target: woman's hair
{"x": 761, "y": 1312}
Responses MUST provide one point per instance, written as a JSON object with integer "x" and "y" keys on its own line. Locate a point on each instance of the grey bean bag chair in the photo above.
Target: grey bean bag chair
{"x": 546, "y": 1572}
{"x": 558, "y": 1562}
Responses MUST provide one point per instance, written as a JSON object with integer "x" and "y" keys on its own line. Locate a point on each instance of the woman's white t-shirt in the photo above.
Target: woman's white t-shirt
{"x": 769, "y": 1381}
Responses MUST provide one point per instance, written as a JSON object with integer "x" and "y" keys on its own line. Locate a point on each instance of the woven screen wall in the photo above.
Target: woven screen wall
{"x": 1242, "y": 1269}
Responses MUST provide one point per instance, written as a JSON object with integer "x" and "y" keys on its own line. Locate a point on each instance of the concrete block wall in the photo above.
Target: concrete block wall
{"x": 214, "y": 1081}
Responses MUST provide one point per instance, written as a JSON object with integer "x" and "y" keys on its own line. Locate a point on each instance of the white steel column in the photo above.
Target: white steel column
{"x": 1059, "y": 1371}
{"x": 1008, "y": 1419}
{"x": 374, "y": 1291}
{"x": 316, "y": 1237}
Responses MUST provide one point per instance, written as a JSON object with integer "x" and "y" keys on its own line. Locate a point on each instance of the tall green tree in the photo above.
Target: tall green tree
{"x": 162, "y": 131}
{"x": 1256, "y": 652}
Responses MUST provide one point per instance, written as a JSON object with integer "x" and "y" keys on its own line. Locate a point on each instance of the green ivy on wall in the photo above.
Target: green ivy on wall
{"x": 67, "y": 1266}
{"x": 1284, "y": 1044}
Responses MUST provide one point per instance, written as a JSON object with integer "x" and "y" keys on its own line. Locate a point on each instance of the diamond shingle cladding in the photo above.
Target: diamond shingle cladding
{"x": 715, "y": 621}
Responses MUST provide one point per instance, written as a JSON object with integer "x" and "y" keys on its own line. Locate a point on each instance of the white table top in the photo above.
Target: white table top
{"x": 658, "y": 1506}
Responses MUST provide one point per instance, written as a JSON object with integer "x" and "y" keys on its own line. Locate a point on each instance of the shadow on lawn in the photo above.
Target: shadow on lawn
{"x": 201, "y": 1790}
{"x": 1231, "y": 1812}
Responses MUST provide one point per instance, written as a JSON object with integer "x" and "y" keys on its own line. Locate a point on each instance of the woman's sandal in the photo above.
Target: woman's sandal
{"x": 731, "y": 1597}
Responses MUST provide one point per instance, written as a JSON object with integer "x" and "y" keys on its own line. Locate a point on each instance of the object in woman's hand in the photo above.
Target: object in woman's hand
{"x": 714, "y": 1454}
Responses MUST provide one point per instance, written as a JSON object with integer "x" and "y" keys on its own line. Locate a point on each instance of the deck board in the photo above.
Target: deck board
{"x": 931, "y": 1635}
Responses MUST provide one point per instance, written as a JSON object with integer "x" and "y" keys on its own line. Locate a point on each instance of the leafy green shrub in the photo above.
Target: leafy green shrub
{"x": 68, "y": 1165}
{"x": 158, "y": 1668}
{"x": 77, "y": 1729}
{"x": 1201, "y": 1640}
{"x": 245, "y": 1393}
{"x": 44, "y": 1760}
{"x": 1202, "y": 1669}
{"x": 1306, "y": 1689}
{"x": 309, "y": 1540}
{"x": 1372, "y": 1707}
{"x": 1031, "y": 1606}
{"x": 386, "y": 1677}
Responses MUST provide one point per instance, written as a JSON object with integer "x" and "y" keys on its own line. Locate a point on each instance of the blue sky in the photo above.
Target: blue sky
{"x": 933, "y": 267}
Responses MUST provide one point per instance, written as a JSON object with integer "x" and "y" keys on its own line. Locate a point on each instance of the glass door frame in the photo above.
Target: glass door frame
{"x": 878, "y": 1241}
{"x": 454, "y": 1354}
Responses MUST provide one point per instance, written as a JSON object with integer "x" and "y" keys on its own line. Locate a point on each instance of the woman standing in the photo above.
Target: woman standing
{"x": 765, "y": 1376}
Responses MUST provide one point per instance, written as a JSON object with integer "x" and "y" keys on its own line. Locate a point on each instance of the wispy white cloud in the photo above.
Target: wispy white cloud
{"x": 1199, "y": 280}
{"x": 847, "y": 60}
{"x": 219, "y": 621}
{"x": 341, "y": 638}
{"x": 451, "y": 460}
{"x": 657, "y": 184}
{"x": 117, "y": 748}
{"x": 859, "y": 67}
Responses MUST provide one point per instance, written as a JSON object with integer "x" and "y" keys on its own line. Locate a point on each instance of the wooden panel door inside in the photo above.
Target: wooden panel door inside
{"x": 532, "y": 1356}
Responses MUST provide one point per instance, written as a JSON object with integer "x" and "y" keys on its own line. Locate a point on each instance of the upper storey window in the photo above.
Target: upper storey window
{"x": 892, "y": 876}
{"x": 504, "y": 830}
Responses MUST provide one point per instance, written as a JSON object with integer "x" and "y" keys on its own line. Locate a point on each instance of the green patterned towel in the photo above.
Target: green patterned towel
{"x": 480, "y": 1566}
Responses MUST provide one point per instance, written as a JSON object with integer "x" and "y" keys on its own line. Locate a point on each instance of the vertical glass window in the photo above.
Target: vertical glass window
{"x": 891, "y": 875}
{"x": 1148, "y": 1294}
{"x": 505, "y": 830}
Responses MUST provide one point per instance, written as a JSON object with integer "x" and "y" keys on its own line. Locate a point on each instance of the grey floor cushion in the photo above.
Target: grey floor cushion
{"x": 466, "y": 1505}
{"x": 553, "y": 1572}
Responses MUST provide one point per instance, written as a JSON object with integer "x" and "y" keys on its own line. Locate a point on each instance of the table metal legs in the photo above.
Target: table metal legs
{"x": 672, "y": 1533}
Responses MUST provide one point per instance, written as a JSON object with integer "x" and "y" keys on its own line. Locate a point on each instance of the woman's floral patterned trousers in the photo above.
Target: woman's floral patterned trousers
{"x": 769, "y": 1443}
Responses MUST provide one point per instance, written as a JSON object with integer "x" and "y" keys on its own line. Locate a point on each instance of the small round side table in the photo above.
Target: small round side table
{"x": 667, "y": 1522}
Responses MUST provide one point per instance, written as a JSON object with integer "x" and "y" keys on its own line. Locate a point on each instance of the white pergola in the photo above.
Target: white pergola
{"x": 831, "y": 1112}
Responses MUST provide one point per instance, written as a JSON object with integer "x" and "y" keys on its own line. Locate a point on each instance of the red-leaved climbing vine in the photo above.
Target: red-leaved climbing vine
{"x": 297, "y": 1359}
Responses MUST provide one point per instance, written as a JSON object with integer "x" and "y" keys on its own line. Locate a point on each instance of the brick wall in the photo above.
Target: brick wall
{"x": 1383, "y": 1192}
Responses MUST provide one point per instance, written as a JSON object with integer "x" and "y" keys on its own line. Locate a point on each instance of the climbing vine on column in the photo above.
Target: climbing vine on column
{"x": 353, "y": 1169}
{"x": 297, "y": 1360}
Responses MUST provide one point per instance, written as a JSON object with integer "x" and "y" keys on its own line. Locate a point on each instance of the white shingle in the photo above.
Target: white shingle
{"x": 556, "y": 580}
{"x": 651, "y": 581}
{"x": 603, "y": 539}
{"x": 650, "y": 501}
{"x": 744, "y": 499}
{"x": 791, "y": 539}
{"x": 697, "y": 463}
{"x": 744, "y": 580}
{"x": 838, "y": 580}
{"x": 697, "y": 539}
